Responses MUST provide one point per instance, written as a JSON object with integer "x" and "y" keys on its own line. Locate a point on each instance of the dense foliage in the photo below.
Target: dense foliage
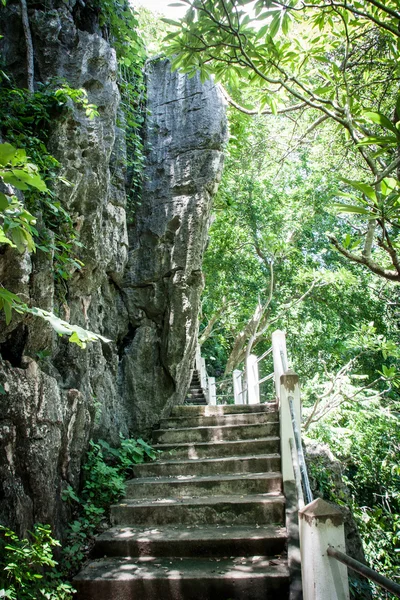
{"x": 339, "y": 61}
{"x": 28, "y": 570}
{"x": 105, "y": 471}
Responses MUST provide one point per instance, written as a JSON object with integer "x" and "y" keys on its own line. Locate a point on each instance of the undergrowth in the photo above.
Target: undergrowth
{"x": 105, "y": 472}
{"x": 28, "y": 570}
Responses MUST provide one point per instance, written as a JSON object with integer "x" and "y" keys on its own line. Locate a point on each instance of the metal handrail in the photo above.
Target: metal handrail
{"x": 283, "y": 359}
{"x": 302, "y": 463}
{"x": 260, "y": 358}
{"x": 267, "y": 378}
{"x": 297, "y": 474}
{"x": 355, "y": 565}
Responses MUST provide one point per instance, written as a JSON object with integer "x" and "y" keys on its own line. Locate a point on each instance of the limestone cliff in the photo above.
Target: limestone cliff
{"x": 140, "y": 286}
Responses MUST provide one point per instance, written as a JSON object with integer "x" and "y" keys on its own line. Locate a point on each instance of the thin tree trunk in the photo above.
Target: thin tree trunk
{"x": 29, "y": 46}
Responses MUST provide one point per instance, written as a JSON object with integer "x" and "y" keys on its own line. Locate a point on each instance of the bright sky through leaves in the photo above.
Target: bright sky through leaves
{"x": 162, "y": 6}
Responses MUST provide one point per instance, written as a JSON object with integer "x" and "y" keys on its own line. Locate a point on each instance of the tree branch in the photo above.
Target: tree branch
{"x": 29, "y": 46}
{"x": 363, "y": 260}
{"x": 255, "y": 111}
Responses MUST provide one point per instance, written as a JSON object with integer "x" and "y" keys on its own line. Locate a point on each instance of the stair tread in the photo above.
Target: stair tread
{"x": 222, "y": 459}
{"x": 230, "y": 408}
{"x": 215, "y": 427}
{"x": 267, "y": 498}
{"x": 203, "y": 478}
{"x": 248, "y": 568}
{"x": 223, "y": 416}
{"x": 192, "y": 532}
{"x": 216, "y": 443}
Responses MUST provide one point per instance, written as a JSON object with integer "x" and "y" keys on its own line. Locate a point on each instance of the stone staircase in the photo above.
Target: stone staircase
{"x": 195, "y": 394}
{"x": 206, "y": 521}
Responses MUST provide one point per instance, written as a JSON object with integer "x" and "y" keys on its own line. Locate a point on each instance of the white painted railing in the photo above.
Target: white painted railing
{"x": 317, "y": 521}
{"x": 207, "y": 383}
{"x": 318, "y": 528}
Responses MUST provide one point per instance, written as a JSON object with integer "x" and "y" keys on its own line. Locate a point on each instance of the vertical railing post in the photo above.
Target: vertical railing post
{"x": 203, "y": 374}
{"x": 323, "y": 576}
{"x": 253, "y": 389}
{"x": 289, "y": 388}
{"x": 198, "y": 359}
{"x": 237, "y": 387}
{"x": 212, "y": 391}
{"x": 279, "y": 354}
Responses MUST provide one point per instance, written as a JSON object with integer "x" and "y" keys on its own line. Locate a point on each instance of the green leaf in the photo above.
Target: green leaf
{"x": 274, "y": 25}
{"x": 382, "y": 120}
{"x": 7, "y": 311}
{"x": 32, "y": 179}
{"x": 10, "y": 178}
{"x": 4, "y": 204}
{"x": 262, "y": 32}
{"x": 171, "y": 22}
{"x": 350, "y": 208}
{"x": 364, "y": 188}
{"x": 7, "y": 151}
{"x": 17, "y": 236}
{"x": 19, "y": 157}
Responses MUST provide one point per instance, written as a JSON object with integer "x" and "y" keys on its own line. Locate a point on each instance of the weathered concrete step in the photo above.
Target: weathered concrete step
{"x": 252, "y": 578}
{"x": 263, "y": 463}
{"x": 266, "y": 445}
{"x": 191, "y": 541}
{"x": 215, "y": 434}
{"x": 218, "y": 420}
{"x": 195, "y": 401}
{"x": 192, "y": 411}
{"x": 204, "y": 485}
{"x": 222, "y": 510}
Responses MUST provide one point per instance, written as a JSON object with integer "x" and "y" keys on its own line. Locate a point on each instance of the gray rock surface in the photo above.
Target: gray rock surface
{"x": 140, "y": 288}
{"x": 163, "y": 279}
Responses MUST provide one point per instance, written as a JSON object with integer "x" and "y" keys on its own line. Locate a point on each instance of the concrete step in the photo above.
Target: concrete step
{"x": 251, "y": 578}
{"x": 206, "y": 485}
{"x": 191, "y": 541}
{"x": 196, "y": 401}
{"x": 192, "y": 411}
{"x": 262, "y": 463}
{"x": 216, "y": 510}
{"x": 266, "y": 445}
{"x": 215, "y": 434}
{"x": 218, "y": 420}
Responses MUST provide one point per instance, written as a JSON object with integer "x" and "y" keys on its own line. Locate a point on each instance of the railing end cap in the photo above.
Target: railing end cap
{"x": 289, "y": 377}
{"x": 320, "y": 510}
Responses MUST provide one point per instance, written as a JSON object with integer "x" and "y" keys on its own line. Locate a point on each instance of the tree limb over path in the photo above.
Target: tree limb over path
{"x": 341, "y": 61}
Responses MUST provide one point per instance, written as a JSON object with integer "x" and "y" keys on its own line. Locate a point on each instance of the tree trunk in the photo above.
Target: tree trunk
{"x": 29, "y": 46}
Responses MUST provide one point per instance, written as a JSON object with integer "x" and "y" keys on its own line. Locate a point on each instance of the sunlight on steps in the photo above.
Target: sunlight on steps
{"x": 204, "y": 522}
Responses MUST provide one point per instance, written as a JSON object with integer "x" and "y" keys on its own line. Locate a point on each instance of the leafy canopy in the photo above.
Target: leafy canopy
{"x": 337, "y": 60}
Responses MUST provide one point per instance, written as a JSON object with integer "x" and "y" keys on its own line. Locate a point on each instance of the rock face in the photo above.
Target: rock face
{"x": 163, "y": 279}
{"x": 140, "y": 288}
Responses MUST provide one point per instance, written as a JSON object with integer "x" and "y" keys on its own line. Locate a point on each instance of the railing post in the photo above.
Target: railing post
{"x": 212, "y": 392}
{"x": 203, "y": 374}
{"x": 323, "y": 576}
{"x": 253, "y": 389}
{"x": 289, "y": 388}
{"x": 198, "y": 359}
{"x": 279, "y": 354}
{"x": 237, "y": 387}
